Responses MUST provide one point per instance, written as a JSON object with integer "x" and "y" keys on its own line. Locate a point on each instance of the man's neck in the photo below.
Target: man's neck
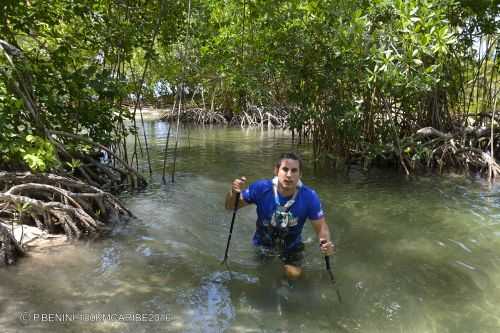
{"x": 286, "y": 193}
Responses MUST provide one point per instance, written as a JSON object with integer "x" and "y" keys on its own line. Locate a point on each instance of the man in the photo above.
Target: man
{"x": 283, "y": 205}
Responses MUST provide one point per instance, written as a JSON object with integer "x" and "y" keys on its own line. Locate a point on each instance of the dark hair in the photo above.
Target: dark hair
{"x": 289, "y": 156}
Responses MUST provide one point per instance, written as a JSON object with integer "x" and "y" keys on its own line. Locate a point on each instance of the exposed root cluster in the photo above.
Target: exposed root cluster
{"x": 194, "y": 115}
{"x": 469, "y": 149}
{"x": 253, "y": 116}
{"x": 56, "y": 204}
{"x": 110, "y": 176}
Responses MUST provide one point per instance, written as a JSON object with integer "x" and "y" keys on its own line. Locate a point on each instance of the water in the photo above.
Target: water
{"x": 414, "y": 255}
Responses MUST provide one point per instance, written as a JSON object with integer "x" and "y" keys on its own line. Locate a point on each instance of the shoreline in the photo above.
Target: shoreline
{"x": 149, "y": 113}
{"x": 35, "y": 241}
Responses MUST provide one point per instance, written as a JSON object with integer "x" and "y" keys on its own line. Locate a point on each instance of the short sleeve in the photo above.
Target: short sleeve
{"x": 250, "y": 193}
{"x": 315, "y": 210}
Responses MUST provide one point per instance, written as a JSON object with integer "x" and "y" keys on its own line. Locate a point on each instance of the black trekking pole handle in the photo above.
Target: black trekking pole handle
{"x": 236, "y": 203}
{"x": 332, "y": 277}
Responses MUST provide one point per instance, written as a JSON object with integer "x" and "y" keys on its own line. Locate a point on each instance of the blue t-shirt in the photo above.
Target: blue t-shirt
{"x": 306, "y": 206}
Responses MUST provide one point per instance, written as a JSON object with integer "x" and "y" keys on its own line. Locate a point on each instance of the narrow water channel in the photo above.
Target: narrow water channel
{"x": 418, "y": 254}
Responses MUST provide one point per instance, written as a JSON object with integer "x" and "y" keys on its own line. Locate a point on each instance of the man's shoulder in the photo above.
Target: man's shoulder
{"x": 257, "y": 190}
{"x": 312, "y": 202}
{"x": 308, "y": 191}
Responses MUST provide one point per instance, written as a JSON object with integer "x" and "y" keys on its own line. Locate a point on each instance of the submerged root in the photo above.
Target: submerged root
{"x": 56, "y": 204}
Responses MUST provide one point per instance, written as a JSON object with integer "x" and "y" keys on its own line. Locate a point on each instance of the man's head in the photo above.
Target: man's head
{"x": 288, "y": 169}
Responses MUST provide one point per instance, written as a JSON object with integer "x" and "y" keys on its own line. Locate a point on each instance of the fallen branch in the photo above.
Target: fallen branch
{"x": 432, "y": 132}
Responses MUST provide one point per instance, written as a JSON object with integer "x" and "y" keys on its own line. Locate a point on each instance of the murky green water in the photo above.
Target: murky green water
{"x": 414, "y": 255}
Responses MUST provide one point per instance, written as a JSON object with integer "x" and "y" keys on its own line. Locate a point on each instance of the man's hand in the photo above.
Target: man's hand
{"x": 236, "y": 187}
{"x": 326, "y": 247}
{"x": 237, "y": 184}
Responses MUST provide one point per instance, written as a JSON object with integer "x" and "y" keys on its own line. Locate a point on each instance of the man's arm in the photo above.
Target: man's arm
{"x": 323, "y": 232}
{"x": 236, "y": 186}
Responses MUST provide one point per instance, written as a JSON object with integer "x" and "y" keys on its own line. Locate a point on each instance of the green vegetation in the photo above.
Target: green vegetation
{"x": 358, "y": 79}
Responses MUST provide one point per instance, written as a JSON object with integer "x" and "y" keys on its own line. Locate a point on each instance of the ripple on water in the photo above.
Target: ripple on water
{"x": 110, "y": 260}
{"x": 209, "y": 307}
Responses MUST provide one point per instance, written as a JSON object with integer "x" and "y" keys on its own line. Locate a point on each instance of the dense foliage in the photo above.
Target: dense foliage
{"x": 357, "y": 77}
{"x": 70, "y": 58}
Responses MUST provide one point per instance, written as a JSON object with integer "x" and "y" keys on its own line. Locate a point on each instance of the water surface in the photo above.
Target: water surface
{"x": 416, "y": 254}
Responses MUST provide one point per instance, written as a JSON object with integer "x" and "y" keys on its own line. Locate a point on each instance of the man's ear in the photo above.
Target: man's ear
{"x": 276, "y": 169}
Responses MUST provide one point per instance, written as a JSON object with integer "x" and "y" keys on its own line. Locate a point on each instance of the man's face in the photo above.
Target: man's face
{"x": 288, "y": 174}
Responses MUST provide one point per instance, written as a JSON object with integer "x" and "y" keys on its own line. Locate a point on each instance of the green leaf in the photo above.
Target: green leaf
{"x": 34, "y": 162}
{"x": 30, "y": 138}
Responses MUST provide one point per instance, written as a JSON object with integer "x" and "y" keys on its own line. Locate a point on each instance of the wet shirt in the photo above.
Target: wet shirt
{"x": 306, "y": 206}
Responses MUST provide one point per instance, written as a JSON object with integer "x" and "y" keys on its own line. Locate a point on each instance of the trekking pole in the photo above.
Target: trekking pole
{"x": 332, "y": 277}
{"x": 237, "y": 201}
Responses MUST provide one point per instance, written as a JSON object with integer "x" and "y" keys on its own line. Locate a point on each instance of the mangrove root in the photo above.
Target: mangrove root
{"x": 10, "y": 249}
{"x": 56, "y": 204}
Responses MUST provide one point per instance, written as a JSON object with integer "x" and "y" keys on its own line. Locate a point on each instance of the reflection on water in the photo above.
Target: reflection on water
{"x": 414, "y": 254}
